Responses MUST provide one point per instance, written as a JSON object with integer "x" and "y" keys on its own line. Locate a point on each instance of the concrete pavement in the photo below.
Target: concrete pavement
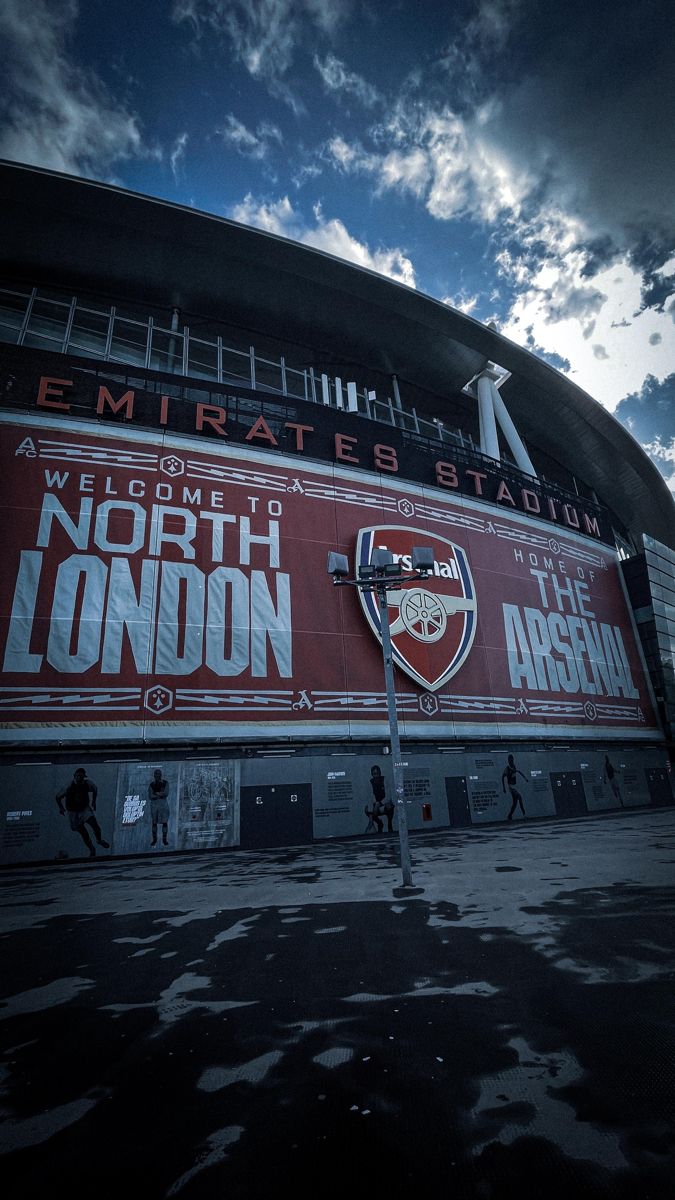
{"x": 238, "y": 1023}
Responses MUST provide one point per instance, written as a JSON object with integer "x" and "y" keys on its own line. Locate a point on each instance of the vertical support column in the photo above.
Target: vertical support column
{"x": 109, "y": 337}
{"x": 397, "y": 394}
{"x": 523, "y": 460}
{"x": 171, "y": 357}
{"x": 69, "y": 325}
{"x": 489, "y": 442}
{"x": 27, "y": 317}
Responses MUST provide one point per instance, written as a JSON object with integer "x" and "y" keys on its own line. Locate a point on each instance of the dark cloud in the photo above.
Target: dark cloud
{"x": 575, "y": 302}
{"x": 650, "y": 412}
{"x": 53, "y": 112}
{"x": 656, "y": 289}
{"x": 600, "y": 252}
{"x": 583, "y": 98}
{"x": 655, "y": 339}
{"x": 650, "y": 416}
{"x": 600, "y": 352}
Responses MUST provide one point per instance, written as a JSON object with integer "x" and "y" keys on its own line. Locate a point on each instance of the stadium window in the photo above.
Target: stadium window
{"x": 47, "y": 325}
{"x": 129, "y": 342}
{"x": 13, "y": 307}
{"x": 89, "y": 333}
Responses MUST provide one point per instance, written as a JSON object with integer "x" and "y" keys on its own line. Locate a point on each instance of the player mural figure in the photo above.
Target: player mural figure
{"x": 378, "y": 808}
{"x": 80, "y": 797}
{"x": 509, "y": 775}
{"x": 611, "y": 779}
{"x": 158, "y": 793}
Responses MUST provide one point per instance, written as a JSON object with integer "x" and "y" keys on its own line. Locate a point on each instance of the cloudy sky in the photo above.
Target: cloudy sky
{"x": 515, "y": 158}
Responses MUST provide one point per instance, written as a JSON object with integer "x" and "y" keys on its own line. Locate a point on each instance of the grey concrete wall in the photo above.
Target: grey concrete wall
{"x": 466, "y": 787}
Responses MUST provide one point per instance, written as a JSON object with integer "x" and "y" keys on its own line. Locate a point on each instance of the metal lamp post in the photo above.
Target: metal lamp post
{"x": 381, "y": 575}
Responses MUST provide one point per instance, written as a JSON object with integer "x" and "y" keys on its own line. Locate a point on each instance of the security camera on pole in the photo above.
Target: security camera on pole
{"x": 382, "y": 575}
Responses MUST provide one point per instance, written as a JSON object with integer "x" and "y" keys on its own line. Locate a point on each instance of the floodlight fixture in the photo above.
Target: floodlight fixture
{"x": 392, "y": 568}
{"x": 338, "y": 565}
{"x": 366, "y": 572}
{"x": 423, "y": 559}
{"x": 381, "y": 557}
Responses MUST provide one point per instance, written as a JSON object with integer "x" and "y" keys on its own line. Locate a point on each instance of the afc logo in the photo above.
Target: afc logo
{"x": 432, "y": 621}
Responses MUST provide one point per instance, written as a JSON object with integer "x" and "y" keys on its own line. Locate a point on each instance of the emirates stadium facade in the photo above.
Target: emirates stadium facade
{"x": 194, "y": 414}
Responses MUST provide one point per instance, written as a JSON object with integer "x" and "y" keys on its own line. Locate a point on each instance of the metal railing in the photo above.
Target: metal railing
{"x": 69, "y": 326}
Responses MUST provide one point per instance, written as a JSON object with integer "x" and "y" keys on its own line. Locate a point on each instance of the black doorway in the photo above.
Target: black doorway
{"x": 568, "y": 794}
{"x": 277, "y": 814}
{"x": 459, "y": 813}
{"x": 658, "y": 782}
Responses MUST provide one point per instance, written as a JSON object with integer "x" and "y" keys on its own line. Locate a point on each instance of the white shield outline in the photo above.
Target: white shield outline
{"x": 371, "y": 608}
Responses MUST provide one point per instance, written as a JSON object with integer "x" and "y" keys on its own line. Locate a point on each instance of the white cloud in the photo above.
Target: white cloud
{"x": 264, "y": 35}
{"x": 330, "y": 235}
{"x": 53, "y": 113}
{"x": 447, "y": 159}
{"x": 304, "y": 172}
{"x": 252, "y": 145}
{"x": 178, "y": 153}
{"x": 464, "y": 303}
{"x": 338, "y": 79}
{"x": 471, "y": 175}
{"x": 351, "y": 157}
{"x": 494, "y": 20}
{"x": 405, "y": 171}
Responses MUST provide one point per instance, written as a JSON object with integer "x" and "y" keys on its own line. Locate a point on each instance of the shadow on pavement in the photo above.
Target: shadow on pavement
{"x": 335, "y": 1048}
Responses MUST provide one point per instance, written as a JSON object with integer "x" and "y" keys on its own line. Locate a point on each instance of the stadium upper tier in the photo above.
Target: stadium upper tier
{"x": 312, "y": 312}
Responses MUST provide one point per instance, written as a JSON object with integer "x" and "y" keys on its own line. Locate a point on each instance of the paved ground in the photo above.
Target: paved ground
{"x": 237, "y": 1024}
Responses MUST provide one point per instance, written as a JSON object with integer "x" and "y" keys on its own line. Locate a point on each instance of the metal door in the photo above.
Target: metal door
{"x": 568, "y": 794}
{"x": 275, "y": 815}
{"x": 658, "y": 782}
{"x": 459, "y": 813}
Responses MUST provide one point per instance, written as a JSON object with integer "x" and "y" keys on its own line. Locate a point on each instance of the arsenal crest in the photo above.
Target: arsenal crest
{"x": 432, "y": 621}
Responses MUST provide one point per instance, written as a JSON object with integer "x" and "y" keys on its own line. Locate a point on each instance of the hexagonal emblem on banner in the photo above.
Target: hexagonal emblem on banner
{"x": 158, "y": 698}
{"x": 432, "y": 621}
{"x": 406, "y": 507}
{"x": 172, "y": 465}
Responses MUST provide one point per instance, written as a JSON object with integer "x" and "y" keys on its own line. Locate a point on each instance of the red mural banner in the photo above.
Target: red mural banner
{"x": 154, "y": 589}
